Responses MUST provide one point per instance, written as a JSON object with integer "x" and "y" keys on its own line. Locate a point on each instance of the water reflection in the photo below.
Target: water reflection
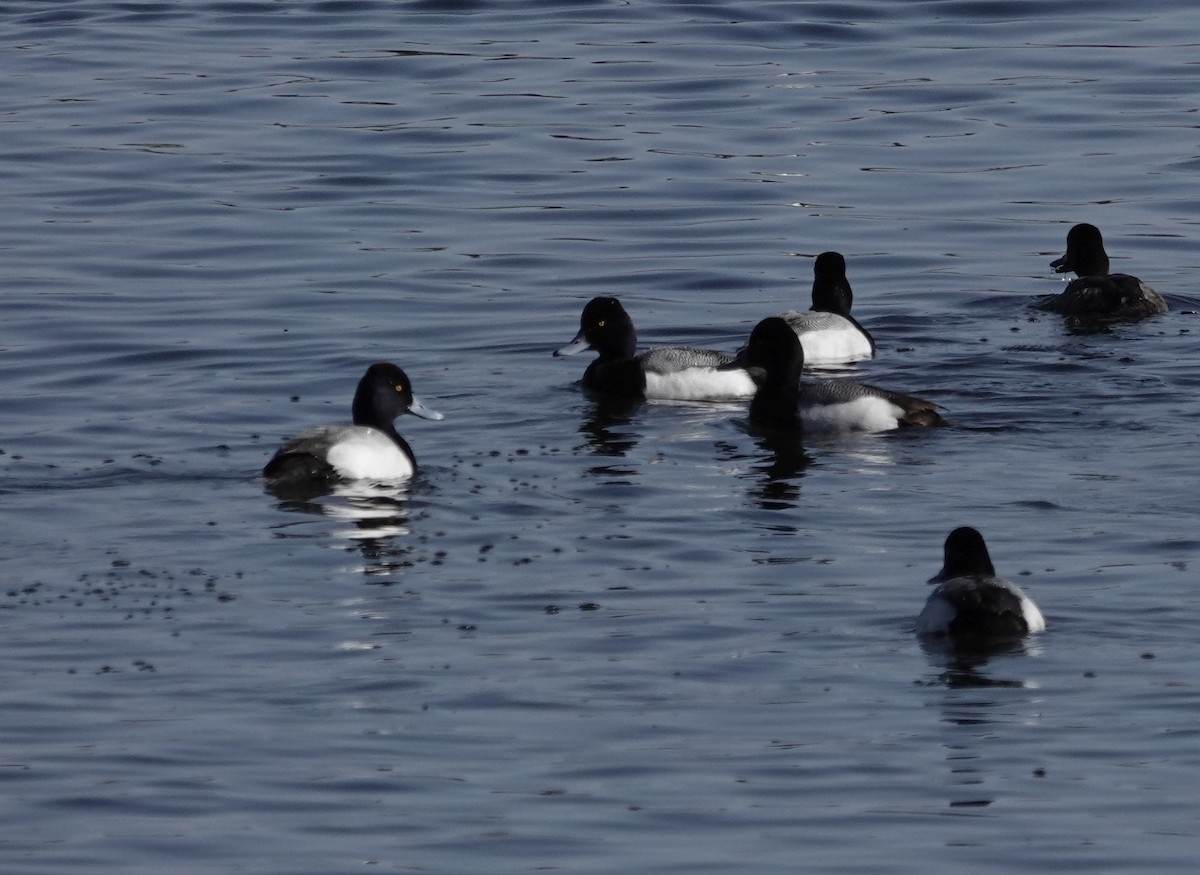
{"x": 605, "y": 425}
{"x": 977, "y": 703}
{"x": 371, "y": 515}
{"x": 966, "y": 772}
{"x": 779, "y": 471}
{"x": 962, "y": 661}
{"x": 372, "y": 510}
{"x": 779, "y": 463}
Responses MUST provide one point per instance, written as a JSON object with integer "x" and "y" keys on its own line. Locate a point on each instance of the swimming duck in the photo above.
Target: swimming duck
{"x": 971, "y": 601}
{"x": 1097, "y": 295}
{"x": 775, "y": 359}
{"x": 677, "y": 373}
{"x": 370, "y": 449}
{"x": 828, "y": 333}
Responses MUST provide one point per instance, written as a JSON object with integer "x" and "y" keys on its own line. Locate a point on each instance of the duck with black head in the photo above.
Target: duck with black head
{"x": 775, "y": 358}
{"x": 368, "y": 449}
{"x": 970, "y": 601}
{"x": 668, "y": 373}
{"x": 1097, "y": 296}
{"x": 827, "y": 331}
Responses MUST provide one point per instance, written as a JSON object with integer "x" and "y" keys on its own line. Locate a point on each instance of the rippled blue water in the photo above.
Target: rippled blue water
{"x": 591, "y": 637}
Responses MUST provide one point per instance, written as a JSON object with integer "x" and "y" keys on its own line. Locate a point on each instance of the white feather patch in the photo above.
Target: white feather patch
{"x": 827, "y": 338}
{"x": 1033, "y": 617}
{"x": 364, "y": 453}
{"x": 869, "y": 413}
{"x": 834, "y": 346}
{"x": 699, "y": 384}
{"x": 936, "y": 616}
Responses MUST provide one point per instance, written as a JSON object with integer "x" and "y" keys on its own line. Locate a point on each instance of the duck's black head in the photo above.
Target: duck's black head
{"x": 775, "y": 349}
{"x": 605, "y": 327}
{"x": 774, "y": 358}
{"x": 383, "y": 393}
{"x": 831, "y": 290}
{"x": 965, "y": 555}
{"x": 1085, "y": 253}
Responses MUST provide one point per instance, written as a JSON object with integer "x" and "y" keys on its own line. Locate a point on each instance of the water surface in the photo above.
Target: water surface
{"x": 591, "y": 637}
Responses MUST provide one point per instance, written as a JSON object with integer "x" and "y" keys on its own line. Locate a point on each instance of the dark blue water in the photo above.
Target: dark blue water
{"x": 590, "y": 637}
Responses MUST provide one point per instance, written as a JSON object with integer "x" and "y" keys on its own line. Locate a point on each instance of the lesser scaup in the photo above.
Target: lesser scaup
{"x": 971, "y": 601}
{"x": 370, "y": 449}
{"x": 665, "y": 373}
{"x": 828, "y": 333}
{"x": 775, "y": 359}
{"x": 1097, "y": 295}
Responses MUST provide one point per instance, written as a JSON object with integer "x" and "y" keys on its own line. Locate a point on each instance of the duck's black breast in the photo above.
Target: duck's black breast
{"x": 619, "y": 377}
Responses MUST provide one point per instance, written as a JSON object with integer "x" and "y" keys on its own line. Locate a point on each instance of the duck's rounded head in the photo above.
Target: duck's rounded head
{"x": 384, "y": 393}
{"x": 831, "y": 290}
{"x": 965, "y": 555}
{"x": 775, "y": 350}
{"x": 605, "y": 327}
{"x": 830, "y": 265}
{"x": 1085, "y": 253}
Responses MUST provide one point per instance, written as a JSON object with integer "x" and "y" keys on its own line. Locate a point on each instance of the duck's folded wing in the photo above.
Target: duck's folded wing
{"x": 671, "y": 359}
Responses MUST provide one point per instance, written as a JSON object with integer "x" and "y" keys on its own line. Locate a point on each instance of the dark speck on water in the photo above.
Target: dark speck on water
{"x": 216, "y": 215}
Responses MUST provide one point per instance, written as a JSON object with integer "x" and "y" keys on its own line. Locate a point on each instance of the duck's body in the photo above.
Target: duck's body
{"x": 829, "y": 338}
{"x": 1097, "y": 295}
{"x": 353, "y": 452}
{"x": 369, "y": 449}
{"x": 776, "y": 358}
{"x": 846, "y": 405}
{"x": 970, "y": 601}
{"x": 674, "y": 373}
{"x": 828, "y": 333}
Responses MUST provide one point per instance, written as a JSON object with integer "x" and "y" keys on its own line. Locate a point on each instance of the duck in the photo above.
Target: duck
{"x": 368, "y": 449}
{"x": 667, "y": 373}
{"x": 971, "y": 601}
{"x": 828, "y": 333}
{"x": 775, "y": 358}
{"x": 1097, "y": 295}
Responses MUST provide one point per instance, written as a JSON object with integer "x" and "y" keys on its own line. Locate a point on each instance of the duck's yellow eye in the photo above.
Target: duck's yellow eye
{"x": 399, "y": 387}
{"x": 600, "y": 324}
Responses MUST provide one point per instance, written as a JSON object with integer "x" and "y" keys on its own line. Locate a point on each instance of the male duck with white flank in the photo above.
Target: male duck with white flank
{"x": 370, "y": 449}
{"x": 970, "y": 601}
{"x": 828, "y": 333}
{"x": 1097, "y": 295}
{"x": 675, "y": 373}
{"x": 775, "y": 359}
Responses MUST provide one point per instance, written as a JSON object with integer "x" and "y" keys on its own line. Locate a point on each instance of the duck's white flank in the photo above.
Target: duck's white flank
{"x": 935, "y": 618}
{"x": 939, "y": 611}
{"x": 868, "y": 413}
{"x": 1033, "y": 616}
{"x": 699, "y": 384}
{"x": 828, "y": 338}
{"x": 364, "y": 453}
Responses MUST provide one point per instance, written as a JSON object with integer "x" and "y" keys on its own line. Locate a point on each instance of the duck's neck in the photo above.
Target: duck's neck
{"x": 366, "y": 413}
{"x": 979, "y": 566}
{"x": 832, "y": 297}
{"x": 775, "y": 404}
{"x": 1095, "y": 264}
{"x": 622, "y": 376}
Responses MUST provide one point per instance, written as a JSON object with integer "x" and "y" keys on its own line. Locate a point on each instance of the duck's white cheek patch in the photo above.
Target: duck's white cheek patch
{"x": 861, "y": 414}
{"x": 369, "y": 455}
{"x": 699, "y": 384}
